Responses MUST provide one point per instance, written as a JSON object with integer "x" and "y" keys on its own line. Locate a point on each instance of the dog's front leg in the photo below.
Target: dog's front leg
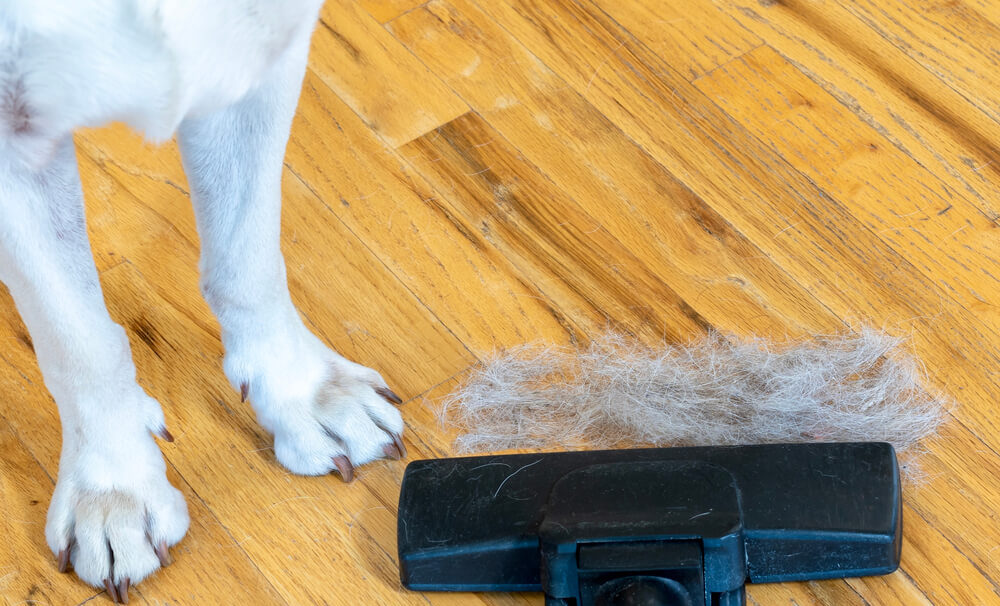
{"x": 326, "y": 413}
{"x": 113, "y": 512}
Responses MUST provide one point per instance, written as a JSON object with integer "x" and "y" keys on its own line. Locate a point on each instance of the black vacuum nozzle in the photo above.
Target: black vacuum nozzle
{"x": 662, "y": 526}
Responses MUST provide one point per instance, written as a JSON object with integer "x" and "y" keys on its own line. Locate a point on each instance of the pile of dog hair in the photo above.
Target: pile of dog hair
{"x": 718, "y": 390}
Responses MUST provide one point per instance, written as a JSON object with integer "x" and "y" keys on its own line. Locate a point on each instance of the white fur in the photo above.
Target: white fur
{"x": 226, "y": 76}
{"x": 717, "y": 390}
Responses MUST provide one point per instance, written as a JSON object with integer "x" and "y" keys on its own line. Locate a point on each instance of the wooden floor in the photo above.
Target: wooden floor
{"x": 470, "y": 174}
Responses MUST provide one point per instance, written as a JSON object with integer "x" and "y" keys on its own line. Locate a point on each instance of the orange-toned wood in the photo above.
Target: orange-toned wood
{"x": 472, "y": 174}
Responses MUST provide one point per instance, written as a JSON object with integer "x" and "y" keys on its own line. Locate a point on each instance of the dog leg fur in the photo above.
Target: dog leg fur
{"x": 326, "y": 413}
{"x": 112, "y": 501}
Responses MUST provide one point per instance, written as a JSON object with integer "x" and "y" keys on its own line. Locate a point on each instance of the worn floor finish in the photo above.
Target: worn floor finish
{"x": 472, "y": 174}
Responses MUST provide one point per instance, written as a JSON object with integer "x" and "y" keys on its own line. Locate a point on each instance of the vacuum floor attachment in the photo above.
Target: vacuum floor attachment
{"x": 653, "y": 527}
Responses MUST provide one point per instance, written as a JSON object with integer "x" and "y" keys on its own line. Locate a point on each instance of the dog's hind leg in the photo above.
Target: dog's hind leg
{"x": 113, "y": 511}
{"x": 326, "y": 413}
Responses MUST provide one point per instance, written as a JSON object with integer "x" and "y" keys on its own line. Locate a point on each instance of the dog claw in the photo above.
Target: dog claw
{"x": 389, "y": 395}
{"x": 64, "y": 560}
{"x": 344, "y": 467}
{"x": 112, "y": 590}
{"x": 123, "y": 591}
{"x": 163, "y": 554}
{"x": 397, "y": 440}
{"x": 165, "y": 434}
{"x": 391, "y": 452}
{"x": 244, "y": 391}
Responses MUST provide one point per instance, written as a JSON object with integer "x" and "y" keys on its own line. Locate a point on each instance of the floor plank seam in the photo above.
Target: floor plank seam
{"x": 225, "y": 529}
{"x": 641, "y": 149}
{"x": 926, "y": 104}
{"x": 98, "y": 594}
{"x": 27, "y": 449}
{"x": 992, "y": 581}
{"x": 876, "y": 236}
{"x": 729, "y": 61}
{"x": 407, "y": 11}
{"x": 925, "y": 68}
{"x": 385, "y": 265}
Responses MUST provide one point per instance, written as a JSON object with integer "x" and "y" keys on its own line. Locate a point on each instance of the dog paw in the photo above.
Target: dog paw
{"x": 326, "y": 413}
{"x": 114, "y": 514}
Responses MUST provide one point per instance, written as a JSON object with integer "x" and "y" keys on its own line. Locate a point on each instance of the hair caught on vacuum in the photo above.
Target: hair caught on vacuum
{"x": 719, "y": 390}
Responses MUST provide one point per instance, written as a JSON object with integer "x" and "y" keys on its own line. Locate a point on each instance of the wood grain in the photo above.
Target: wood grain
{"x": 691, "y": 36}
{"x": 954, "y": 41}
{"x": 941, "y": 232}
{"x": 632, "y": 199}
{"x": 467, "y": 175}
{"x": 28, "y": 572}
{"x": 405, "y": 222}
{"x": 396, "y": 95}
{"x": 884, "y": 87}
{"x": 387, "y": 10}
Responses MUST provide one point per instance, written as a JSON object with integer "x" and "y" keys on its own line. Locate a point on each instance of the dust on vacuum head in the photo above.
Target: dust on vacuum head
{"x": 684, "y": 526}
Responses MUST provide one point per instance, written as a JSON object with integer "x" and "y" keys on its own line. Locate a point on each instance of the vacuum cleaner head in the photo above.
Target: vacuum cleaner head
{"x": 686, "y": 526}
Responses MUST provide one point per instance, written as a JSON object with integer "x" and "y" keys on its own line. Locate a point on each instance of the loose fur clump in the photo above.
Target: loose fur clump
{"x": 719, "y": 390}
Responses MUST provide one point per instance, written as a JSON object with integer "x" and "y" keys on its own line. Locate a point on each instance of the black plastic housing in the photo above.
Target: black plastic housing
{"x": 580, "y": 525}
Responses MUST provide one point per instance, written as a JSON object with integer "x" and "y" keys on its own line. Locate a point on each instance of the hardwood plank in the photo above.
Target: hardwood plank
{"x": 879, "y": 189}
{"x": 545, "y": 235}
{"x": 814, "y": 593}
{"x": 923, "y": 545}
{"x": 27, "y": 569}
{"x": 790, "y": 219}
{"x": 892, "y": 590}
{"x": 914, "y": 110}
{"x": 691, "y": 36}
{"x": 631, "y": 198}
{"x": 449, "y": 267}
{"x": 396, "y": 95}
{"x": 387, "y": 10}
{"x": 775, "y": 202}
{"x": 956, "y": 41}
{"x": 936, "y": 228}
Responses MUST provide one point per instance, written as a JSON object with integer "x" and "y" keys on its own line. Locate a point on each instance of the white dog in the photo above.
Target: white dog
{"x": 225, "y": 75}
